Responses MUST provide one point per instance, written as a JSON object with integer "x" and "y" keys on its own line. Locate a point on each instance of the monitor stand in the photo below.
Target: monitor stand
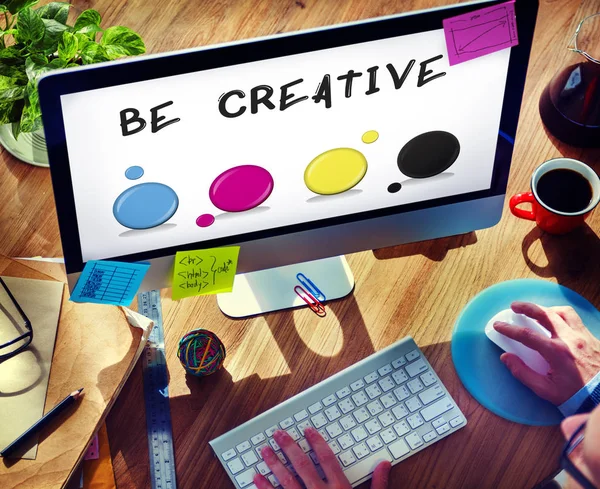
{"x": 273, "y": 289}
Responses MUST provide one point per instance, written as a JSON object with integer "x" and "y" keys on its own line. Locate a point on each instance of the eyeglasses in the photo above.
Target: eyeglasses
{"x": 591, "y": 22}
{"x": 568, "y": 465}
{"x": 13, "y": 312}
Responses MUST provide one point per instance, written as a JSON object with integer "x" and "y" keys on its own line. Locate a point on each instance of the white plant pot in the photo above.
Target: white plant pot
{"x": 30, "y": 147}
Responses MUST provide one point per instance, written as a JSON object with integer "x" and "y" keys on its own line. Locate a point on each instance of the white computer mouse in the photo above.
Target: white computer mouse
{"x": 530, "y": 357}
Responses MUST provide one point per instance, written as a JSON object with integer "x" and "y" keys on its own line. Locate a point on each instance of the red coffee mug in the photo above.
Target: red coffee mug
{"x": 548, "y": 219}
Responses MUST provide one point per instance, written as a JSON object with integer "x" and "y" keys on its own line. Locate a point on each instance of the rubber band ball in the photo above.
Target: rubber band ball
{"x": 201, "y": 352}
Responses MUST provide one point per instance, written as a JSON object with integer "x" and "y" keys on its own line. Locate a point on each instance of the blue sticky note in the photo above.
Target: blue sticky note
{"x": 109, "y": 282}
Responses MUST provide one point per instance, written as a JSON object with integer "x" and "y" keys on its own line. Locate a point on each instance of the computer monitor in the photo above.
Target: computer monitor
{"x": 296, "y": 147}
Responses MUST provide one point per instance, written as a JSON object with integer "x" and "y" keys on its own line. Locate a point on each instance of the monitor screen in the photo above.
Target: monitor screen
{"x": 267, "y": 138}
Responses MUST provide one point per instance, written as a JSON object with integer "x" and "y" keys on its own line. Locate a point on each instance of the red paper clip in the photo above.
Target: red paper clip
{"x": 311, "y": 300}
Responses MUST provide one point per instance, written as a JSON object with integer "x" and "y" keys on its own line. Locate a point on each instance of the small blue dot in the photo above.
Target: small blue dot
{"x": 134, "y": 172}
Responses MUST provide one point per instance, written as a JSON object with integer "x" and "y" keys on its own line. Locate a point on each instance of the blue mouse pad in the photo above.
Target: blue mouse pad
{"x": 477, "y": 359}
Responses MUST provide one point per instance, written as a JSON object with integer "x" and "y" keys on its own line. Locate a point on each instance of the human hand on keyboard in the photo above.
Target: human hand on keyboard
{"x": 305, "y": 468}
{"x": 572, "y": 352}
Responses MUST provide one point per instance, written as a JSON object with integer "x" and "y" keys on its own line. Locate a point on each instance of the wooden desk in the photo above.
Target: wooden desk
{"x": 416, "y": 289}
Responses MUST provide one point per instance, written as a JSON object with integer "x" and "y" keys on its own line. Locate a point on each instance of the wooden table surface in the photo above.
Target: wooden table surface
{"x": 416, "y": 289}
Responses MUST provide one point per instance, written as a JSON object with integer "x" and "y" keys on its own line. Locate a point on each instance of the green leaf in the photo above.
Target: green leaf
{"x": 87, "y": 17}
{"x": 30, "y": 26}
{"x": 11, "y": 55}
{"x": 31, "y": 118}
{"x": 11, "y": 111}
{"x": 121, "y": 41}
{"x": 15, "y": 6}
{"x": 58, "y": 11}
{"x": 17, "y": 73}
{"x": 90, "y": 31}
{"x": 9, "y": 91}
{"x": 52, "y": 36}
{"x": 36, "y": 66}
{"x": 67, "y": 46}
{"x": 93, "y": 53}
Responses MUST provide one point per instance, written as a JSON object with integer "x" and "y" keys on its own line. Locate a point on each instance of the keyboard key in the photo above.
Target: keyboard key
{"x": 235, "y": 466}
{"x": 373, "y": 391}
{"x": 415, "y": 386}
{"x": 412, "y": 355}
{"x": 360, "y": 398}
{"x": 319, "y": 420}
{"x": 345, "y": 441}
{"x": 399, "y": 362}
{"x": 361, "y": 415}
{"x": 428, "y": 378}
{"x": 324, "y": 435}
{"x": 372, "y": 377}
{"x": 274, "y": 445}
{"x": 388, "y": 400}
{"x": 399, "y": 449}
{"x": 270, "y": 431}
{"x": 415, "y": 421}
{"x": 302, "y": 426}
{"x": 375, "y": 408}
{"x": 359, "y": 433}
{"x": 259, "y": 449}
{"x": 388, "y": 436}
{"x": 259, "y": 438}
{"x": 347, "y": 422}
{"x": 304, "y": 445}
{"x": 347, "y": 458}
{"x": 333, "y": 413}
{"x": 314, "y": 458}
{"x": 282, "y": 458}
{"x": 312, "y": 409}
{"x": 413, "y": 404}
{"x": 386, "y": 419}
{"x": 427, "y": 437}
{"x": 431, "y": 394}
{"x": 438, "y": 422}
{"x": 401, "y": 428}
{"x": 335, "y": 448}
{"x": 273, "y": 480}
{"x": 245, "y": 478}
{"x": 416, "y": 368}
{"x": 400, "y": 376}
{"x": 343, "y": 392}
{"x": 301, "y": 415}
{"x": 286, "y": 423}
{"x": 373, "y": 426}
{"x": 386, "y": 369}
{"x": 454, "y": 422}
{"x": 437, "y": 408}
{"x": 386, "y": 384}
{"x": 334, "y": 430}
{"x": 361, "y": 450}
{"x": 228, "y": 455}
{"x": 366, "y": 466}
{"x": 346, "y": 406}
{"x": 293, "y": 432}
{"x": 402, "y": 393}
{"x": 374, "y": 443}
{"x": 242, "y": 447}
{"x": 359, "y": 384}
{"x": 443, "y": 429}
{"x": 329, "y": 400}
{"x": 249, "y": 459}
{"x": 414, "y": 440}
{"x": 263, "y": 468}
{"x": 400, "y": 411}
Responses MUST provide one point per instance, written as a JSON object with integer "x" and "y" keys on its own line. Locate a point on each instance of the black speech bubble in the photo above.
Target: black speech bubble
{"x": 428, "y": 154}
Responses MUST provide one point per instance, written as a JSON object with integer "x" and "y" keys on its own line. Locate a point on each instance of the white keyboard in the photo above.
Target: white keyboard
{"x": 388, "y": 406}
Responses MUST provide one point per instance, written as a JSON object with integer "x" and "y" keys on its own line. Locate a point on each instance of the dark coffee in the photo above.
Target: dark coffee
{"x": 564, "y": 190}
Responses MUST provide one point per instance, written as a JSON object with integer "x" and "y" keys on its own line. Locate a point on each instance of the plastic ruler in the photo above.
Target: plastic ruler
{"x": 156, "y": 396}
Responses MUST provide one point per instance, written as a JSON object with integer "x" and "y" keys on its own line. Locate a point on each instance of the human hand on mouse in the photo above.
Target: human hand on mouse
{"x": 305, "y": 468}
{"x": 572, "y": 351}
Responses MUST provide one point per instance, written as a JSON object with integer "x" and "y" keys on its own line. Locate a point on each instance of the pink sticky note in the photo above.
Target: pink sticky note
{"x": 481, "y": 32}
{"x": 93, "y": 451}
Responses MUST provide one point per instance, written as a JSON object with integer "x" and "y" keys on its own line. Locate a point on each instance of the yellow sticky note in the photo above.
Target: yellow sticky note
{"x": 204, "y": 272}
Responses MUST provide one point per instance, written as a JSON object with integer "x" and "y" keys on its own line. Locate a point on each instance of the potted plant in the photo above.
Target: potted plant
{"x": 37, "y": 41}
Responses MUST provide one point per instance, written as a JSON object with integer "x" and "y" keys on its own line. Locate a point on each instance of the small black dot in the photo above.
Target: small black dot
{"x": 394, "y": 187}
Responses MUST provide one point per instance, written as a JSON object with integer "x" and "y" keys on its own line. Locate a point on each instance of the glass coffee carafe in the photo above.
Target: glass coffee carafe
{"x": 570, "y": 104}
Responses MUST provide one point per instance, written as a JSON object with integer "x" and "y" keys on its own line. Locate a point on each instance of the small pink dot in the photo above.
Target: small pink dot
{"x": 205, "y": 220}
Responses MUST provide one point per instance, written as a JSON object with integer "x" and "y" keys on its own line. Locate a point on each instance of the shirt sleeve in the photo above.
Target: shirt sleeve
{"x": 584, "y": 400}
